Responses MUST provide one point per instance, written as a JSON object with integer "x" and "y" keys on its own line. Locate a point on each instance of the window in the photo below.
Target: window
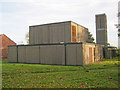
{"x": 73, "y": 33}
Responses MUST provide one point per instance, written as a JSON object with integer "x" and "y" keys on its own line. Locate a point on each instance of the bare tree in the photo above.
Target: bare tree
{"x": 27, "y": 37}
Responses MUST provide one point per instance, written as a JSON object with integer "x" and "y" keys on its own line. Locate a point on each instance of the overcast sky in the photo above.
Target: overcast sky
{"x": 16, "y": 15}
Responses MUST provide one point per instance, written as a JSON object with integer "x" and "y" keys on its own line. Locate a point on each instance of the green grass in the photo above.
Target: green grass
{"x": 98, "y": 75}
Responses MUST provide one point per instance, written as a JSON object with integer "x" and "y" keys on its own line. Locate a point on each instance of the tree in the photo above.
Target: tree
{"x": 108, "y": 44}
{"x": 27, "y": 37}
{"x": 90, "y": 38}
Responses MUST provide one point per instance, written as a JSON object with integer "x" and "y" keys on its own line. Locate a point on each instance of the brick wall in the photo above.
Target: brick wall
{"x": 5, "y": 43}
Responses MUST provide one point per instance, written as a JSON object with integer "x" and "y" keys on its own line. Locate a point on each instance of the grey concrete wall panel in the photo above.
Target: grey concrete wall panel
{"x": 53, "y": 51}
{"x": 71, "y": 54}
{"x": 43, "y": 52}
{"x": 67, "y": 31}
{"x": 36, "y": 35}
{"x": 45, "y": 57}
{"x": 12, "y": 54}
{"x": 52, "y": 54}
{"x": 44, "y": 34}
{"x": 74, "y": 54}
{"x": 79, "y": 55}
{"x": 61, "y": 54}
{"x": 22, "y": 54}
{"x": 47, "y": 54}
{"x": 31, "y": 35}
{"x": 56, "y": 32}
{"x": 98, "y": 22}
{"x": 98, "y": 52}
{"x": 28, "y": 54}
{"x": 86, "y": 34}
{"x": 40, "y": 34}
{"x": 32, "y": 54}
{"x": 101, "y": 35}
{"x": 103, "y": 21}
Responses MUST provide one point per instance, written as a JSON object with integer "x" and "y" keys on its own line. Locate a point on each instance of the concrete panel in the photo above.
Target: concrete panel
{"x": 44, "y": 55}
{"x": 86, "y": 53}
{"x": 56, "y": 33}
{"x": 86, "y": 34}
{"x": 98, "y": 52}
{"x": 82, "y": 34}
{"x": 43, "y": 52}
{"x": 60, "y": 55}
{"x": 98, "y": 22}
{"x": 79, "y": 55}
{"x": 48, "y": 54}
{"x": 39, "y": 34}
{"x": 74, "y": 54}
{"x": 67, "y": 30}
{"x": 101, "y": 37}
{"x": 52, "y": 54}
{"x": 44, "y": 34}
{"x": 103, "y": 21}
{"x": 32, "y": 54}
{"x": 30, "y": 36}
{"x": 12, "y": 54}
{"x": 79, "y": 33}
{"x": 22, "y": 54}
{"x": 71, "y": 54}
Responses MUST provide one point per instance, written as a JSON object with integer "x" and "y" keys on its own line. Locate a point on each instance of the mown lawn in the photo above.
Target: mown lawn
{"x": 100, "y": 75}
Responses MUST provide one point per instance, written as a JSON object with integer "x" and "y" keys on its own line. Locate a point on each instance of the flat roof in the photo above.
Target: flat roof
{"x": 57, "y": 23}
{"x": 62, "y": 43}
{"x": 101, "y": 14}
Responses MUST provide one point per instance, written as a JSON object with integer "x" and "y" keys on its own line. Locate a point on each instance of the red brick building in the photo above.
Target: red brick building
{"x": 4, "y": 43}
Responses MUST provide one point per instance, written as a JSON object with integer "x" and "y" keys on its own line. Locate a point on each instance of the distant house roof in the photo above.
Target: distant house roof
{"x": 3, "y": 35}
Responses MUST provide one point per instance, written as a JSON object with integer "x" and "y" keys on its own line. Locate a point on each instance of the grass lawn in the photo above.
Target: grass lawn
{"x": 98, "y": 75}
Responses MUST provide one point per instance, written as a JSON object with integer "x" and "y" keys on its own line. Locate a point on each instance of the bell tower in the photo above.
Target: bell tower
{"x": 101, "y": 29}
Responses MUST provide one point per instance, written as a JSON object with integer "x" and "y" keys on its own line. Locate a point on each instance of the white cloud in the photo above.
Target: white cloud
{"x": 32, "y": 1}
